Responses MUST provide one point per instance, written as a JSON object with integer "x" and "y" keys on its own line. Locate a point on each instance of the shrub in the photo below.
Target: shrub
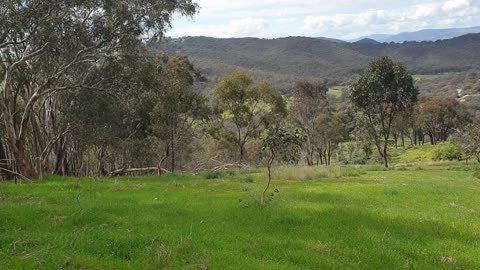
{"x": 389, "y": 191}
{"x": 447, "y": 151}
{"x": 214, "y": 175}
{"x": 248, "y": 179}
{"x": 353, "y": 153}
{"x": 230, "y": 172}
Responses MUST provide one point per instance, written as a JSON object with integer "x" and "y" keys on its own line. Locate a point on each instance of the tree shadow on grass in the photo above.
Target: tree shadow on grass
{"x": 372, "y": 239}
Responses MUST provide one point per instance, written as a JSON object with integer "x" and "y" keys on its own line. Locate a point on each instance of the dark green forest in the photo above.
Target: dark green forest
{"x": 284, "y": 61}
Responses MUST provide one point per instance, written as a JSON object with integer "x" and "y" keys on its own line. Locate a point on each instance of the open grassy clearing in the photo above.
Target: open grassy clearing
{"x": 339, "y": 218}
{"x": 336, "y": 91}
{"x": 413, "y": 154}
{"x": 420, "y": 77}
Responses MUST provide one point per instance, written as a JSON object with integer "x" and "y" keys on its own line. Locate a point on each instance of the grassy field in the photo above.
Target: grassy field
{"x": 419, "y": 77}
{"x": 336, "y": 91}
{"x": 414, "y": 217}
{"x": 413, "y": 154}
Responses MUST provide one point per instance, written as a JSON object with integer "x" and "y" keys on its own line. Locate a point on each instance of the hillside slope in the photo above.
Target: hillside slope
{"x": 286, "y": 60}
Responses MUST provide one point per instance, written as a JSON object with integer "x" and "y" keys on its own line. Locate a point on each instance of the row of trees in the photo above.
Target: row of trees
{"x": 384, "y": 110}
{"x": 56, "y": 54}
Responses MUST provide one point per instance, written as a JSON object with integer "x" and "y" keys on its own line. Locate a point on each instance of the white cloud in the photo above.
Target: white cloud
{"x": 412, "y": 18}
{"x": 424, "y": 11}
{"x": 455, "y": 5}
{"x": 337, "y": 19}
{"x": 285, "y": 20}
{"x": 247, "y": 27}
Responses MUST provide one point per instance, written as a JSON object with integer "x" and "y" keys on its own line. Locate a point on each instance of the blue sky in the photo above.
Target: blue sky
{"x": 342, "y": 19}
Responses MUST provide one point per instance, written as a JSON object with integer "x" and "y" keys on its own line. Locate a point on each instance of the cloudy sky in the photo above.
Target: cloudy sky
{"x": 343, "y": 19}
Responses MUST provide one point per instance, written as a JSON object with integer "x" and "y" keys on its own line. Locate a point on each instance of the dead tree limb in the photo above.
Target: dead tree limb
{"x": 124, "y": 171}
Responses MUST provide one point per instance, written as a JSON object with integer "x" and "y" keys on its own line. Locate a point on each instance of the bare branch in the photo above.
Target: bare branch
{"x": 17, "y": 174}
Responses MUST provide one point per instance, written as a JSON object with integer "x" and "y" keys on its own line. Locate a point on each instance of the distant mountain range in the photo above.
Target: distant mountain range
{"x": 422, "y": 35}
{"x": 285, "y": 61}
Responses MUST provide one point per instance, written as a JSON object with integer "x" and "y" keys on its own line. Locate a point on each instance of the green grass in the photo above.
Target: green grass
{"x": 434, "y": 76}
{"x": 336, "y": 91}
{"x": 346, "y": 218}
{"x": 413, "y": 154}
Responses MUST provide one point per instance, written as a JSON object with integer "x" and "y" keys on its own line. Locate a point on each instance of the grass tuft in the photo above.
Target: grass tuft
{"x": 248, "y": 179}
{"x": 389, "y": 191}
{"x": 214, "y": 175}
{"x": 316, "y": 173}
{"x": 220, "y": 174}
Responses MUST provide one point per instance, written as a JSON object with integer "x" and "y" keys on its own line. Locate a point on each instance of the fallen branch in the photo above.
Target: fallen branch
{"x": 124, "y": 171}
{"x": 230, "y": 166}
{"x": 17, "y": 174}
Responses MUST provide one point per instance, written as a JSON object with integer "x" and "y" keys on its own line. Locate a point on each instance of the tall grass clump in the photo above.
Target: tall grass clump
{"x": 219, "y": 174}
{"x": 214, "y": 175}
{"x": 316, "y": 173}
{"x": 375, "y": 168}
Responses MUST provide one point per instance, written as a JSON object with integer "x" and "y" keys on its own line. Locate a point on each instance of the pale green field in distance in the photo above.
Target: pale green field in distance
{"x": 431, "y": 77}
{"x": 336, "y": 91}
{"x": 415, "y": 216}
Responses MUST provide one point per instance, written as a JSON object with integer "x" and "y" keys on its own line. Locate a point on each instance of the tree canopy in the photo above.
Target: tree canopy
{"x": 244, "y": 108}
{"x": 380, "y": 94}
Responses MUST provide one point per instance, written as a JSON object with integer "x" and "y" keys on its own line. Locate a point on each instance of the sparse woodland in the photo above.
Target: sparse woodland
{"x": 83, "y": 95}
{"x": 123, "y": 149}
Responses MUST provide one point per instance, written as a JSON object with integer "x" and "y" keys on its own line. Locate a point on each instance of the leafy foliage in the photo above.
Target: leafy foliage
{"x": 283, "y": 144}
{"x": 49, "y": 47}
{"x": 447, "y": 151}
{"x": 468, "y": 140}
{"x": 243, "y": 109}
{"x": 440, "y": 117}
{"x": 380, "y": 94}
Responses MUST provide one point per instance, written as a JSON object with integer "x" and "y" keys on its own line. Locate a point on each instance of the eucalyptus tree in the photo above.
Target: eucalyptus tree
{"x": 280, "y": 143}
{"x": 384, "y": 91}
{"x": 468, "y": 139}
{"x": 308, "y": 102}
{"x": 439, "y": 118}
{"x": 51, "y": 46}
{"x": 147, "y": 108}
{"x": 328, "y": 132}
{"x": 243, "y": 108}
{"x": 178, "y": 107}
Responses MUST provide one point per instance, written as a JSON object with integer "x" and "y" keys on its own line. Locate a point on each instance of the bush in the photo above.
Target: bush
{"x": 447, "y": 151}
{"x": 220, "y": 174}
{"x": 214, "y": 175}
{"x": 390, "y": 191}
{"x": 353, "y": 153}
{"x": 248, "y": 179}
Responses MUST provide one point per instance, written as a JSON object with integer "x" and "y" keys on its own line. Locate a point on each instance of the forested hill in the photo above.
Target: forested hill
{"x": 286, "y": 60}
